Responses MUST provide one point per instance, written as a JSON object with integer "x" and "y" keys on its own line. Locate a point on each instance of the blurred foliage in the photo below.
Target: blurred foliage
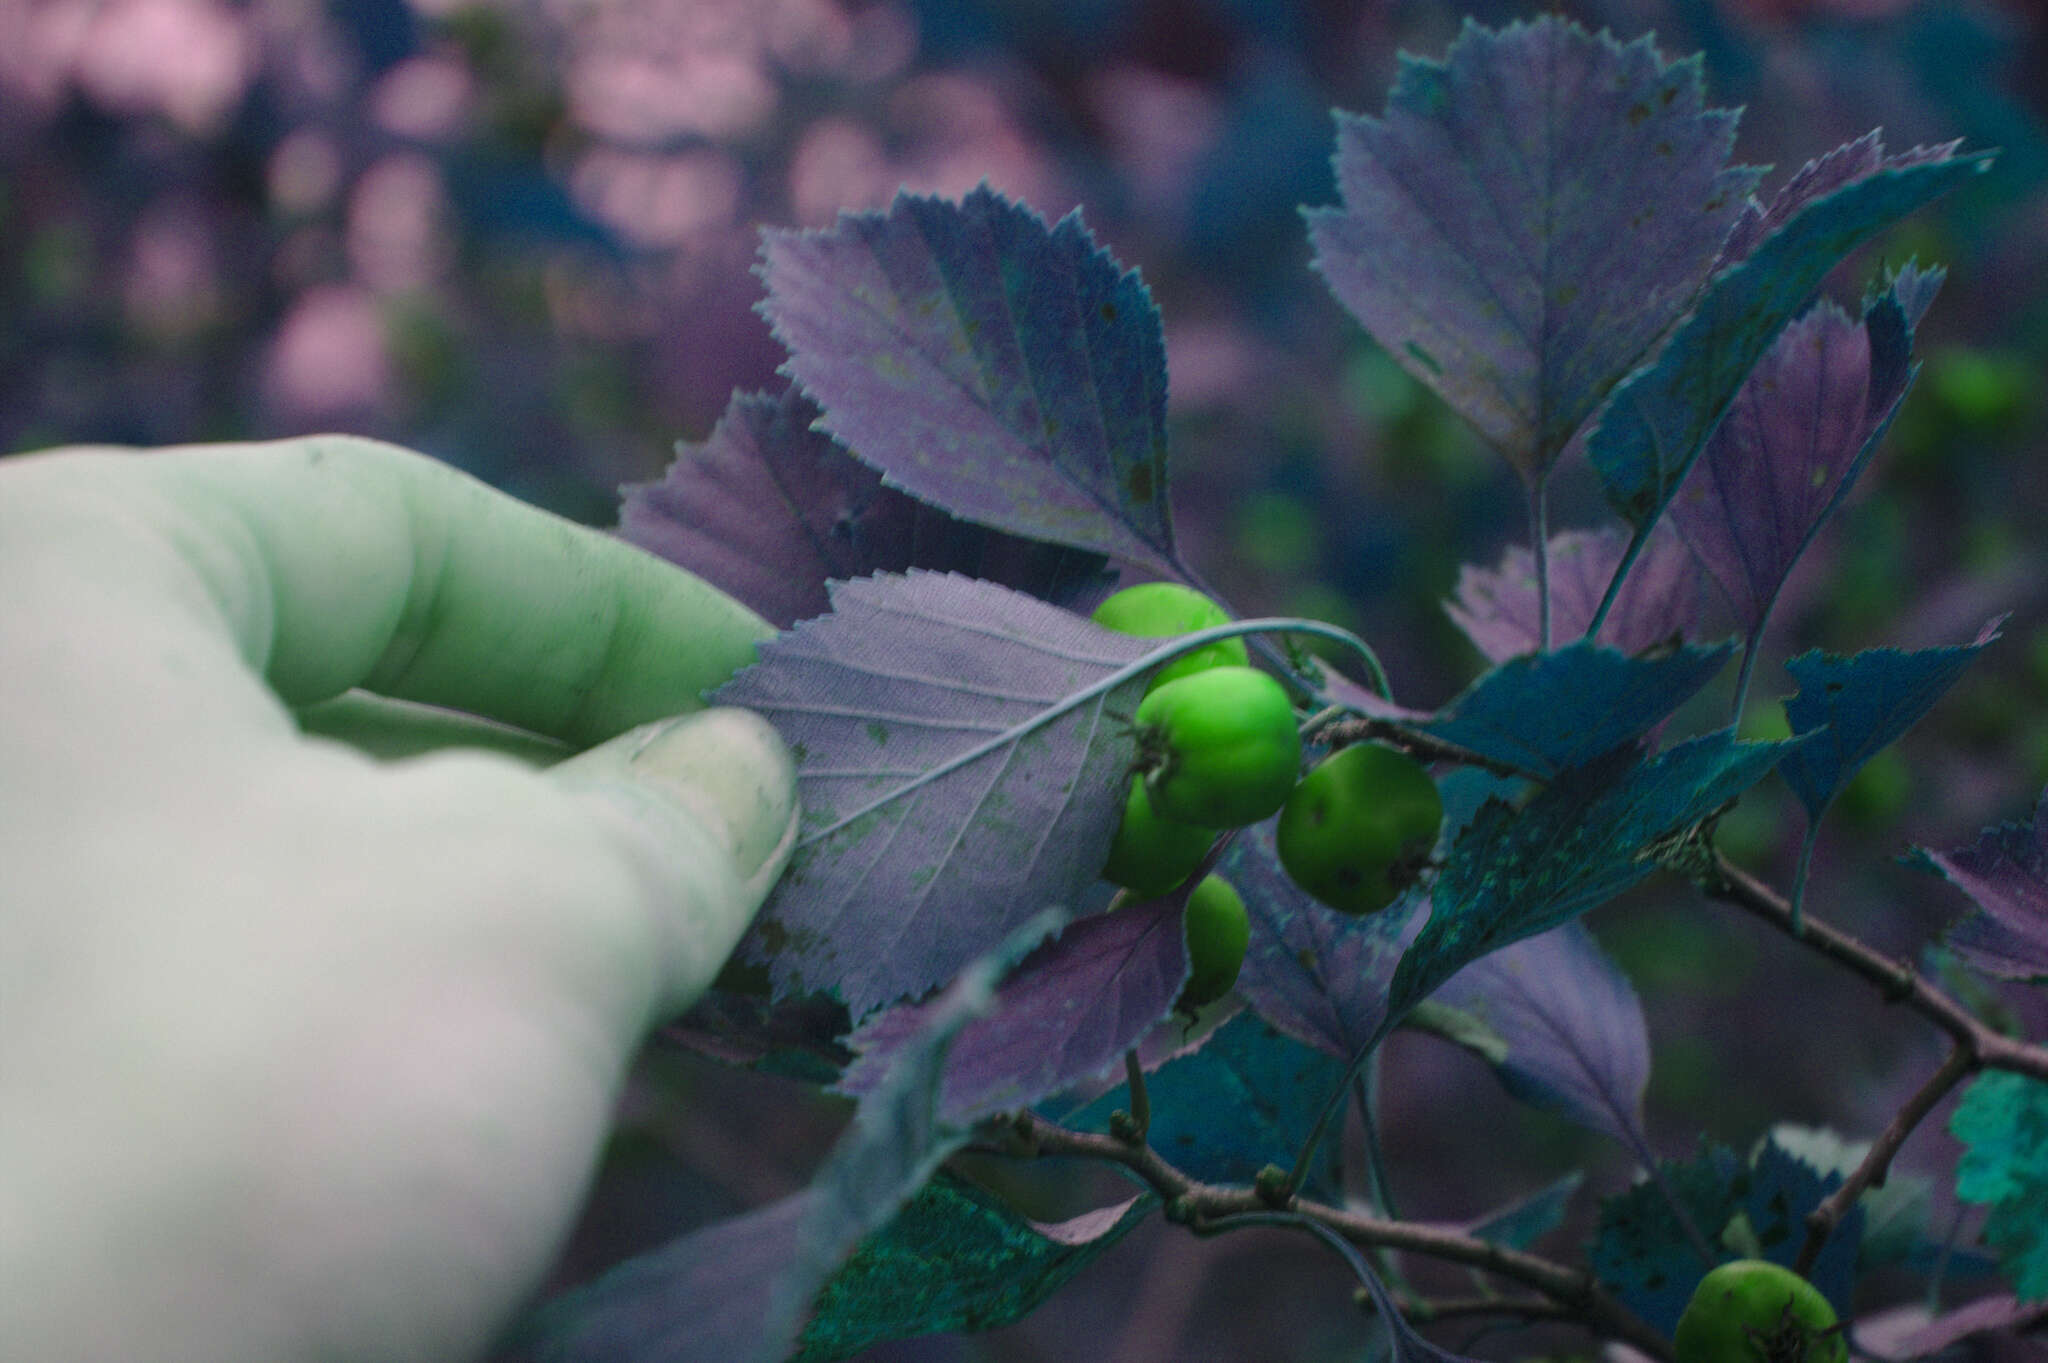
{"x": 516, "y": 234}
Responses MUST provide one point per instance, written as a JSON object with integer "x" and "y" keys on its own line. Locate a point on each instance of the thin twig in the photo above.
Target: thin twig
{"x": 1199, "y": 1206}
{"x": 1977, "y": 1046}
{"x": 1426, "y": 1310}
{"x": 1897, "y": 981}
{"x": 1424, "y": 748}
{"x": 1870, "y": 1172}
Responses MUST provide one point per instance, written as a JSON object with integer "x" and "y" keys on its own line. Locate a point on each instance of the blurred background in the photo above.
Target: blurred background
{"x": 518, "y": 234}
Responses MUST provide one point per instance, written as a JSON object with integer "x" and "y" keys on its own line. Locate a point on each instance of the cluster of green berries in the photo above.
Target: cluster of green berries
{"x": 1219, "y": 747}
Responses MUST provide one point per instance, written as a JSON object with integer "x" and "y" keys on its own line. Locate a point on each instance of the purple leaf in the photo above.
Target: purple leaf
{"x": 1011, "y": 373}
{"x": 1792, "y": 444}
{"x": 1659, "y": 604}
{"x": 796, "y": 1037}
{"x": 1493, "y": 177}
{"x": 1342, "y": 690}
{"x": 1818, "y": 178}
{"x": 701, "y": 1299}
{"x": 1067, "y": 1014}
{"x": 2000, "y": 1315}
{"x": 896, "y": 1142}
{"x": 960, "y": 764}
{"x": 768, "y": 510}
{"x": 1658, "y": 420}
{"x": 1576, "y": 1041}
{"x": 2006, "y": 872}
{"x": 1318, "y": 975}
{"x": 738, "y": 1291}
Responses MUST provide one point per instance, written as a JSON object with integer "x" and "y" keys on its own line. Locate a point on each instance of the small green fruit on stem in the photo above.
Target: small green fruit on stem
{"x": 1151, "y": 855}
{"x": 1355, "y": 828}
{"x": 1217, "y": 932}
{"x": 1218, "y": 749}
{"x": 1160, "y": 610}
{"x": 1755, "y": 1311}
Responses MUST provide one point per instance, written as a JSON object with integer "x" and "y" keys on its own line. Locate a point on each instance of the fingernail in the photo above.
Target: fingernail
{"x": 733, "y": 768}
{"x": 727, "y": 767}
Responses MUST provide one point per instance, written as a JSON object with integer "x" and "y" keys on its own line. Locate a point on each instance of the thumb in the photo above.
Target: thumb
{"x": 710, "y": 801}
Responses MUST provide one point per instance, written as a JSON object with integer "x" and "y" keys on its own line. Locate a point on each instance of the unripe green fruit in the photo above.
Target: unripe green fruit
{"x": 1355, "y": 826}
{"x": 1218, "y": 749}
{"x": 1151, "y": 855}
{"x": 1217, "y": 933}
{"x": 1159, "y": 610}
{"x": 1754, "y": 1311}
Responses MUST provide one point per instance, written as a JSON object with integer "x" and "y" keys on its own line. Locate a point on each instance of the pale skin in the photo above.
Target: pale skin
{"x": 313, "y": 1001}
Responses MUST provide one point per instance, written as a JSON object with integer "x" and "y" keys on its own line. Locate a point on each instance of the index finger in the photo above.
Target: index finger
{"x": 334, "y": 562}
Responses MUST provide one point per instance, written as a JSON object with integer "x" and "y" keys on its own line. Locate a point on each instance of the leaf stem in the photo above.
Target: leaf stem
{"x": 1689, "y": 1228}
{"x": 1805, "y": 867}
{"x": 1628, "y": 560}
{"x": 1377, "y": 674}
{"x": 1748, "y": 668}
{"x": 1334, "y": 1104}
{"x": 1375, "y": 1156}
{"x": 1539, "y": 544}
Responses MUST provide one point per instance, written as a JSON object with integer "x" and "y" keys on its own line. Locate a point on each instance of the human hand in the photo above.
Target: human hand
{"x": 304, "y": 1054}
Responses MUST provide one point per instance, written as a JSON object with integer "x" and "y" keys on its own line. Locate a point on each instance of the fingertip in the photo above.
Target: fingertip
{"x": 715, "y": 792}
{"x": 733, "y": 770}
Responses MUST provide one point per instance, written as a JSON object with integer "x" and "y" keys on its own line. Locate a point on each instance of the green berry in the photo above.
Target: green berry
{"x": 1151, "y": 855}
{"x": 1159, "y": 610}
{"x": 1754, "y": 1311}
{"x": 1354, "y": 829}
{"x": 1217, "y": 932}
{"x": 1218, "y": 749}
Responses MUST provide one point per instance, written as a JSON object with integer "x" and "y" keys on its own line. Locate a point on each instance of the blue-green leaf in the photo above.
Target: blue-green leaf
{"x": 2003, "y": 1120}
{"x": 1245, "y": 1099}
{"x": 1859, "y": 704}
{"x": 956, "y": 1258}
{"x": 1544, "y": 713}
{"x": 1588, "y": 836}
{"x": 1643, "y": 1252}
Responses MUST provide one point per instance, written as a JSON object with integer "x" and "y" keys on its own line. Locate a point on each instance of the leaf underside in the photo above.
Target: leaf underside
{"x": 945, "y": 800}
